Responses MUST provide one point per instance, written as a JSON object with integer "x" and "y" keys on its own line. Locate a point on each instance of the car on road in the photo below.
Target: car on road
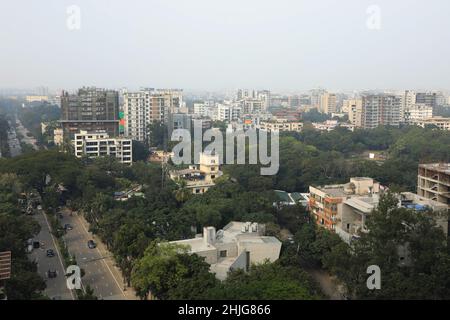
{"x": 68, "y": 226}
{"x": 51, "y": 273}
{"x": 50, "y": 253}
{"x": 91, "y": 244}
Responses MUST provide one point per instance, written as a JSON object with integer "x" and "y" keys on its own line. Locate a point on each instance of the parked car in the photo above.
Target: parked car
{"x": 50, "y": 253}
{"x": 39, "y": 207}
{"x": 92, "y": 244}
{"x": 36, "y": 244}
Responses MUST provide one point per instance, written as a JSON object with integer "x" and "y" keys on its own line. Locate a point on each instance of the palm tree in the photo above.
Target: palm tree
{"x": 182, "y": 192}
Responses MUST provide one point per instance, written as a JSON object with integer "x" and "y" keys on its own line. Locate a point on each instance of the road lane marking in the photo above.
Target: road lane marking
{"x": 118, "y": 285}
{"x": 57, "y": 250}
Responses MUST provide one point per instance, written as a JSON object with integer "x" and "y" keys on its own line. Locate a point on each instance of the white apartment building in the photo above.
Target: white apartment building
{"x": 226, "y": 112}
{"x": 99, "y": 144}
{"x": 141, "y": 108}
{"x": 237, "y": 246}
{"x": 200, "y": 109}
{"x": 380, "y": 110}
{"x": 408, "y": 100}
{"x": 417, "y": 112}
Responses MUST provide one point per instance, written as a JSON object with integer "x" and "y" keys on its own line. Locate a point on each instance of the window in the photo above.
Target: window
{"x": 223, "y": 253}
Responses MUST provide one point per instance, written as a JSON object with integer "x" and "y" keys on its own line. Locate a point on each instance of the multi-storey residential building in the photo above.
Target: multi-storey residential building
{"x": 408, "y": 99}
{"x": 353, "y": 108}
{"x": 199, "y": 108}
{"x": 328, "y": 103}
{"x": 433, "y": 182}
{"x": 326, "y": 203}
{"x": 147, "y": 106}
{"x": 438, "y": 122}
{"x": 199, "y": 178}
{"x": 380, "y": 110}
{"x": 179, "y": 121}
{"x": 239, "y": 245}
{"x": 253, "y": 101}
{"x": 316, "y": 97}
{"x": 99, "y": 144}
{"x": 227, "y": 112}
{"x": 281, "y": 125}
{"x": 90, "y": 109}
{"x": 430, "y": 99}
{"x": 345, "y": 208}
{"x": 417, "y": 112}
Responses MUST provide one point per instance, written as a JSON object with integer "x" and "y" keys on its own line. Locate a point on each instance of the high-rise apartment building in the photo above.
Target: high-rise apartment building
{"x": 90, "y": 109}
{"x": 380, "y": 110}
{"x": 417, "y": 112}
{"x": 328, "y": 103}
{"x": 353, "y": 108}
{"x": 147, "y": 106}
{"x": 228, "y": 112}
{"x": 408, "y": 99}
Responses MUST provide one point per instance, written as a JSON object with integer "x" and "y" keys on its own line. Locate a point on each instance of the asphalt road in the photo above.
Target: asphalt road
{"x": 56, "y": 287}
{"x": 26, "y": 139}
{"x": 13, "y": 141}
{"x": 99, "y": 274}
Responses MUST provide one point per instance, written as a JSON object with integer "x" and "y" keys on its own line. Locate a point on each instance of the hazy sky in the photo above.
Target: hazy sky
{"x": 226, "y": 44}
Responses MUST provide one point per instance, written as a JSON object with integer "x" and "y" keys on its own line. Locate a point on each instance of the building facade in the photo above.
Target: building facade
{"x": 433, "y": 182}
{"x": 99, "y": 144}
{"x": 380, "y": 110}
{"x": 90, "y": 109}
{"x": 439, "y": 122}
{"x": 417, "y": 112}
{"x": 281, "y": 125}
{"x": 147, "y": 106}
{"x": 328, "y": 103}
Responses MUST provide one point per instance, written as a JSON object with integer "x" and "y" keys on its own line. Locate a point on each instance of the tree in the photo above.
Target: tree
{"x": 162, "y": 269}
{"x": 140, "y": 151}
{"x": 409, "y": 248}
{"x": 182, "y": 193}
{"x": 268, "y": 281}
